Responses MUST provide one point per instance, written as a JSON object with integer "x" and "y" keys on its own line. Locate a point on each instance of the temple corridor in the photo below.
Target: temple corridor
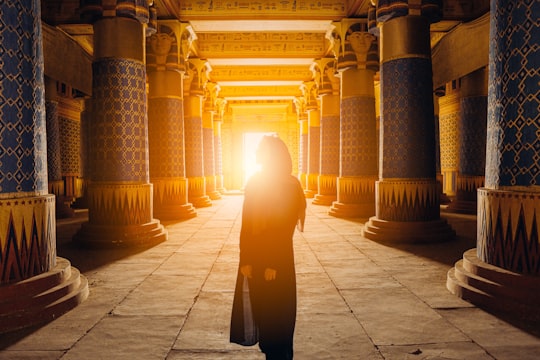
{"x": 413, "y": 127}
{"x": 357, "y": 298}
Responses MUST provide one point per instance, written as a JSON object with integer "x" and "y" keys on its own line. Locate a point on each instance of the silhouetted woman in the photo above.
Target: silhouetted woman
{"x": 264, "y": 308}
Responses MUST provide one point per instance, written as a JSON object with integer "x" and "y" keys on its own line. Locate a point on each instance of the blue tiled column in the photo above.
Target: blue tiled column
{"x": 29, "y": 266}
{"x": 28, "y": 243}
{"x": 193, "y": 131}
{"x": 407, "y": 195}
{"x": 508, "y": 226}
{"x": 120, "y": 201}
{"x": 166, "y": 125}
{"x": 502, "y": 273}
{"x": 329, "y": 136}
{"x": 357, "y": 65}
{"x": 472, "y": 142}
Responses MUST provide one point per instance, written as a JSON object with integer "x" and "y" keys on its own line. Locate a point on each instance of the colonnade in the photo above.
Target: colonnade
{"x": 151, "y": 136}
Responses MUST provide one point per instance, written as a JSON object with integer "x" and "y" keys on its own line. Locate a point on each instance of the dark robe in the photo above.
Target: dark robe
{"x": 273, "y": 206}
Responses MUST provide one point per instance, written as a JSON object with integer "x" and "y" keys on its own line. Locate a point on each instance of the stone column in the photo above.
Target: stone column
{"x": 472, "y": 142}
{"x": 358, "y": 150}
{"x": 503, "y": 272}
{"x": 329, "y": 159}
{"x": 209, "y": 109}
{"x": 120, "y": 204}
{"x": 407, "y": 194}
{"x": 84, "y": 152}
{"x": 218, "y": 145}
{"x": 54, "y": 158}
{"x": 438, "y": 174}
{"x": 165, "y": 69}
{"x": 36, "y": 285}
{"x": 449, "y": 119}
{"x": 193, "y": 131}
{"x": 302, "y": 141}
{"x": 313, "y": 138}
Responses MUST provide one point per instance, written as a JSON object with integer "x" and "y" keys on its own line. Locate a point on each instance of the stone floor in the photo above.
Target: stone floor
{"x": 357, "y": 299}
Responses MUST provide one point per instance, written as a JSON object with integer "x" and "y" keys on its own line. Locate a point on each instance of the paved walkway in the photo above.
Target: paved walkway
{"x": 357, "y": 299}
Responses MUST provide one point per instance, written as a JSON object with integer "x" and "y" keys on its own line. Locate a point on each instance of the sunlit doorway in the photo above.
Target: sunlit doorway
{"x": 249, "y": 148}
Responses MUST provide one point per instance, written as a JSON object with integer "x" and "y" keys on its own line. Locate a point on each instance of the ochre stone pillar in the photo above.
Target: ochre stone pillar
{"x": 35, "y": 285}
{"x": 407, "y": 194}
{"x": 313, "y": 138}
{"x": 120, "y": 201}
{"x": 329, "y": 158}
{"x": 449, "y": 119}
{"x": 472, "y": 142}
{"x": 302, "y": 141}
{"x": 503, "y": 272}
{"x": 358, "y": 149}
{"x": 314, "y": 141}
{"x": 193, "y": 130}
{"x": 69, "y": 117}
{"x": 218, "y": 145}
{"x": 54, "y": 158}
{"x": 166, "y": 125}
{"x": 438, "y": 174}
{"x": 329, "y": 162}
{"x": 209, "y": 109}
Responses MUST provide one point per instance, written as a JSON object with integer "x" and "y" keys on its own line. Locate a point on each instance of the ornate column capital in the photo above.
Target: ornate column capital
{"x": 354, "y": 45}
{"x": 324, "y": 75}
{"x": 197, "y": 77}
{"x": 169, "y": 47}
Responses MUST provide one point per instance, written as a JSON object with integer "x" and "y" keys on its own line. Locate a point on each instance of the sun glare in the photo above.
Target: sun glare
{"x": 251, "y": 142}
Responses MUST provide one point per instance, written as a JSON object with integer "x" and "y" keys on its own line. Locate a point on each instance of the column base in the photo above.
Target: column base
{"x": 42, "y": 298}
{"x": 103, "y": 236}
{"x": 343, "y": 210}
{"x": 214, "y": 195}
{"x": 211, "y": 189}
{"x": 495, "y": 288}
{"x": 176, "y": 212}
{"x": 321, "y": 199}
{"x": 463, "y": 207}
{"x": 201, "y": 201}
{"x": 408, "y": 232}
{"x": 63, "y": 207}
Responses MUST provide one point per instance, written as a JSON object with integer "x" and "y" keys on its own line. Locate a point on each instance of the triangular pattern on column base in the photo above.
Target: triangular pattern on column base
{"x": 494, "y": 288}
{"x": 41, "y": 298}
{"x": 408, "y": 232}
{"x": 175, "y": 212}
{"x": 104, "y": 236}
{"x": 349, "y": 211}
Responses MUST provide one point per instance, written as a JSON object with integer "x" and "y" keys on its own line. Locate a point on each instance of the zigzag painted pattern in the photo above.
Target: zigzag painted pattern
{"x": 408, "y": 200}
{"x": 120, "y": 204}
{"x": 356, "y": 189}
{"x": 169, "y": 190}
{"x": 508, "y": 230}
{"x": 27, "y": 237}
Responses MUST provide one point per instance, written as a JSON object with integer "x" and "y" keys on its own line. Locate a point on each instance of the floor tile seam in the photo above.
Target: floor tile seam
{"x": 109, "y": 313}
{"x": 436, "y": 343}
{"x": 395, "y": 279}
{"x": 348, "y": 306}
{"x": 196, "y": 298}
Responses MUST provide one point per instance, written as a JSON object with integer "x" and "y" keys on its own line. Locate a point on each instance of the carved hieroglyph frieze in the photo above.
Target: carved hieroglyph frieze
{"x": 261, "y": 44}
